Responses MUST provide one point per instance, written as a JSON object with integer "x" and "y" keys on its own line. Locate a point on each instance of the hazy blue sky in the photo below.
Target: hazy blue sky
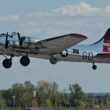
{"x": 48, "y": 18}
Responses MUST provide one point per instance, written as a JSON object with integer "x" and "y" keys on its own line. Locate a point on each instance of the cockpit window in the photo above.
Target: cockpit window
{"x": 15, "y": 40}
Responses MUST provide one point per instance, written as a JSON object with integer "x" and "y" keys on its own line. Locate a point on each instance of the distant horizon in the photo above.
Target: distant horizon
{"x": 61, "y": 88}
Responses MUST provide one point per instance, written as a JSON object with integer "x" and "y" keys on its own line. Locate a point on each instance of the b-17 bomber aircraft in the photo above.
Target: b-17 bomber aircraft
{"x": 56, "y": 49}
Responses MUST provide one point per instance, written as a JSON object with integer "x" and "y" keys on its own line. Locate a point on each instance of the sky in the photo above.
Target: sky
{"x": 41, "y": 19}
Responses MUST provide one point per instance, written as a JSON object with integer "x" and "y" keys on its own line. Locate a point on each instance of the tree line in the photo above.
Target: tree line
{"x": 48, "y": 94}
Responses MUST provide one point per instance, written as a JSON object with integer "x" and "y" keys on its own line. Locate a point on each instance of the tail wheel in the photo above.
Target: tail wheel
{"x": 94, "y": 67}
{"x": 53, "y": 60}
{"x": 7, "y": 63}
{"x": 25, "y": 61}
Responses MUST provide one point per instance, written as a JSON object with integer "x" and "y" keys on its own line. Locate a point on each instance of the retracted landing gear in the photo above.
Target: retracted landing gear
{"x": 25, "y": 61}
{"x": 94, "y": 67}
{"x": 7, "y": 63}
{"x": 53, "y": 60}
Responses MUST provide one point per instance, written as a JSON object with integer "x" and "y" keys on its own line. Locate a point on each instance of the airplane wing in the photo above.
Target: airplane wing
{"x": 52, "y": 46}
{"x": 58, "y": 44}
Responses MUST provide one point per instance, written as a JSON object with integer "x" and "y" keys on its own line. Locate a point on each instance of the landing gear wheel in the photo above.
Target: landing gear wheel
{"x": 24, "y": 61}
{"x": 94, "y": 67}
{"x": 7, "y": 63}
{"x": 53, "y": 60}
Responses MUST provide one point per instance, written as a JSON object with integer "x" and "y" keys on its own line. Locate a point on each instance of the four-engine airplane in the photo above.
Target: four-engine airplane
{"x": 61, "y": 48}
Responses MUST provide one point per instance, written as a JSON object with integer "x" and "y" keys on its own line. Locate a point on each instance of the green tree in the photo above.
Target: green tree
{"x": 91, "y": 102}
{"x": 106, "y": 102}
{"x": 47, "y": 93}
{"x": 7, "y": 96}
{"x": 77, "y": 96}
{"x": 3, "y": 103}
{"x": 23, "y": 94}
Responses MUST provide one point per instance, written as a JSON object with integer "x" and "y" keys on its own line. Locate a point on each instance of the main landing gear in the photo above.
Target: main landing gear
{"x": 24, "y": 61}
{"x": 53, "y": 60}
{"x": 7, "y": 63}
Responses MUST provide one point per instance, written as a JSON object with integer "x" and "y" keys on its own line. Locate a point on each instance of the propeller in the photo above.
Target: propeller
{"x": 6, "y": 40}
{"x": 21, "y": 39}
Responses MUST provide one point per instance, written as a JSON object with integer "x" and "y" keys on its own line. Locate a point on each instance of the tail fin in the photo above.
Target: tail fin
{"x": 106, "y": 43}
